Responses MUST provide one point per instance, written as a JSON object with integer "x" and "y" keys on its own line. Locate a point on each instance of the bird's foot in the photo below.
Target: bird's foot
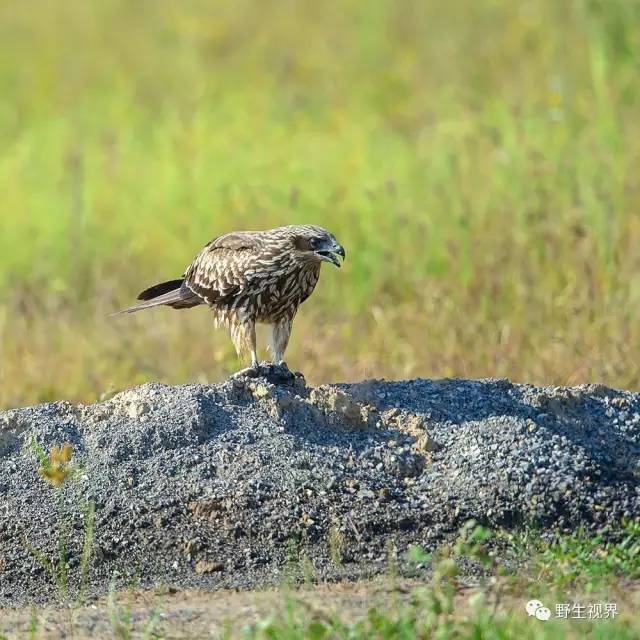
{"x": 280, "y": 371}
{"x": 276, "y": 373}
{"x": 248, "y": 372}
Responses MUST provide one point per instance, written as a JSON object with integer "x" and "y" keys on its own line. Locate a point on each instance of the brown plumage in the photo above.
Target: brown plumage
{"x": 250, "y": 277}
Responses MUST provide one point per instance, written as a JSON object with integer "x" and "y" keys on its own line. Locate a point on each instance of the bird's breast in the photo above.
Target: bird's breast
{"x": 280, "y": 297}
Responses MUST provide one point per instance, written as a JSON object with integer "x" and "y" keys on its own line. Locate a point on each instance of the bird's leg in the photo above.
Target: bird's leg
{"x": 243, "y": 335}
{"x": 279, "y": 339}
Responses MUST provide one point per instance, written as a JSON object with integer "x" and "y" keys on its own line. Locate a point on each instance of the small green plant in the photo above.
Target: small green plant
{"x": 336, "y": 543}
{"x": 119, "y": 617}
{"x": 292, "y": 572}
{"x": 56, "y": 468}
{"x": 34, "y": 623}
{"x": 122, "y": 622}
{"x": 307, "y": 569}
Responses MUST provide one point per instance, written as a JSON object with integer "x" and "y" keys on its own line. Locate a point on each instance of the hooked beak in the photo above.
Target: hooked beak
{"x": 329, "y": 251}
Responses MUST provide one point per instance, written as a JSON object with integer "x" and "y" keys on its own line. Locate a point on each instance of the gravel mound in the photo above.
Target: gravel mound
{"x": 249, "y": 482}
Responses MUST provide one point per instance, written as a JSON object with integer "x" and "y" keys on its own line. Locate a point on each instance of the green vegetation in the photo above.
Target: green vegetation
{"x": 561, "y": 571}
{"x": 588, "y": 562}
{"x": 478, "y": 160}
{"x": 122, "y": 625}
{"x": 409, "y": 623}
{"x": 438, "y": 604}
{"x": 57, "y": 469}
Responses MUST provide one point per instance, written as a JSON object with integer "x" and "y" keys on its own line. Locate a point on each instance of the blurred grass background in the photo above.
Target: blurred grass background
{"x": 480, "y": 161}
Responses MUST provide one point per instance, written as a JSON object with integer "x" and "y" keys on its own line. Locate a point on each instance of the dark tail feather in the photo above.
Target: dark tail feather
{"x": 171, "y": 294}
{"x": 160, "y": 289}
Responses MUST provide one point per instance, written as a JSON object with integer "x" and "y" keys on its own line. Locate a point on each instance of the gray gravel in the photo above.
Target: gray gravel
{"x": 249, "y": 483}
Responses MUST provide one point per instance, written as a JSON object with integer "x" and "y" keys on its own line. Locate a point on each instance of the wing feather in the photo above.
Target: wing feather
{"x": 218, "y": 273}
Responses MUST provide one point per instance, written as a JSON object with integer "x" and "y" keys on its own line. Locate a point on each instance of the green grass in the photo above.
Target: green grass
{"x": 297, "y": 623}
{"x": 406, "y": 625}
{"x": 570, "y": 569}
{"x": 589, "y": 562}
{"x": 439, "y": 602}
{"x": 478, "y": 160}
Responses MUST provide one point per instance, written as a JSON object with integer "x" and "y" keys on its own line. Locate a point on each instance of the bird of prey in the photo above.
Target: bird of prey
{"x": 249, "y": 277}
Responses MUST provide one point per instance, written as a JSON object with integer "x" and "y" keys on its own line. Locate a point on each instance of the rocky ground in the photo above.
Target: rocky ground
{"x": 252, "y": 482}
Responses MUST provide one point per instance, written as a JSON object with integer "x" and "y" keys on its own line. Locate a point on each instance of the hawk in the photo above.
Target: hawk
{"x": 249, "y": 277}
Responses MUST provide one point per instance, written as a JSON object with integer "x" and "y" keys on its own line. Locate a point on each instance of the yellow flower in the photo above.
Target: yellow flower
{"x": 56, "y": 469}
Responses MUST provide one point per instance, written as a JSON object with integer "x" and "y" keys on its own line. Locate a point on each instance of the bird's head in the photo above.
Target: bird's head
{"x": 317, "y": 244}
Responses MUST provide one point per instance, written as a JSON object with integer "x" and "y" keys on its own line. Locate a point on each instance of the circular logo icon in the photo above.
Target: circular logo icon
{"x": 542, "y": 613}
{"x": 532, "y": 606}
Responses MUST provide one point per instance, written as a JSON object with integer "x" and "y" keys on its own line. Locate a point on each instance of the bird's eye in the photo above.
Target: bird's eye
{"x": 313, "y": 243}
